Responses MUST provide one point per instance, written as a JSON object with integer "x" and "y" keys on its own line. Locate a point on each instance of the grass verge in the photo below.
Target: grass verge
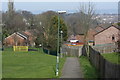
{"x": 0, "y": 65}
{"x": 31, "y": 64}
{"x": 88, "y": 70}
{"x": 112, "y": 57}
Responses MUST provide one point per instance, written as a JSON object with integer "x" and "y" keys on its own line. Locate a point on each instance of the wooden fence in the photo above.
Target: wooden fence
{"x": 105, "y": 68}
{"x": 106, "y": 48}
{"x": 72, "y": 50}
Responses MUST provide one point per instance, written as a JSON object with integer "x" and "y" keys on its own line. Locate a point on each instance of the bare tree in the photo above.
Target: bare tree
{"x": 86, "y": 12}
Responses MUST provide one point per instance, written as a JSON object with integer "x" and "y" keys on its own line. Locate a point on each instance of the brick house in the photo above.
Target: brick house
{"x": 106, "y": 36}
{"x": 19, "y": 39}
{"x": 31, "y": 37}
{"x": 99, "y": 28}
{"x": 71, "y": 37}
{"x": 80, "y": 37}
{"x": 90, "y": 34}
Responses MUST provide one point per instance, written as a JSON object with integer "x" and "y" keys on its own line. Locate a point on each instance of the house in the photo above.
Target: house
{"x": 90, "y": 34}
{"x": 73, "y": 42}
{"x": 89, "y": 37}
{"x": 80, "y": 37}
{"x": 31, "y": 37}
{"x": 19, "y": 39}
{"x": 16, "y": 39}
{"x": 99, "y": 28}
{"x": 108, "y": 35}
{"x": 76, "y": 39}
{"x": 71, "y": 37}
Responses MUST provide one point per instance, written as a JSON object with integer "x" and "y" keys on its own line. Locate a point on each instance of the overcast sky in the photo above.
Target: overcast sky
{"x": 70, "y": 7}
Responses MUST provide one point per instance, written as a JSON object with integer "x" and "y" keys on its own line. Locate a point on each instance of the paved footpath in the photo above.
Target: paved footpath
{"x": 71, "y": 68}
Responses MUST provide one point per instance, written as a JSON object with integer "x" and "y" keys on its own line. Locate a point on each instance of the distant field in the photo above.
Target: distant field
{"x": 32, "y": 64}
{"x": 112, "y": 57}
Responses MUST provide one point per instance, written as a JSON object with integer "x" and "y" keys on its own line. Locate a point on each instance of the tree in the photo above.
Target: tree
{"x": 43, "y": 27}
{"x": 50, "y": 34}
{"x": 48, "y": 29}
{"x": 14, "y": 23}
{"x": 86, "y": 12}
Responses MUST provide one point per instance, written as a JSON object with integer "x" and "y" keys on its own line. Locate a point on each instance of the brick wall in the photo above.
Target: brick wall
{"x": 106, "y": 36}
{"x": 14, "y": 40}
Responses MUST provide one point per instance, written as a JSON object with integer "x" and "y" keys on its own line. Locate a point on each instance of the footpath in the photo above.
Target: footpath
{"x": 71, "y": 68}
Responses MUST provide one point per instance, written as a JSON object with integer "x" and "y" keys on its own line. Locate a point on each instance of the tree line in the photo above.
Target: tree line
{"x": 44, "y": 26}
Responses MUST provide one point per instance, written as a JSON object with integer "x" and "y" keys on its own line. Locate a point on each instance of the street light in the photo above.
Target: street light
{"x": 61, "y": 32}
{"x": 57, "y": 60}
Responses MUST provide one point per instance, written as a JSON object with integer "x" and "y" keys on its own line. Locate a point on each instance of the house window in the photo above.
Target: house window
{"x": 113, "y": 37}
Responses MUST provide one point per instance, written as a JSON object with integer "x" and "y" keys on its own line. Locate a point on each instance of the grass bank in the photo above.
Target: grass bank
{"x": 88, "y": 70}
{"x": 31, "y": 64}
{"x": 112, "y": 57}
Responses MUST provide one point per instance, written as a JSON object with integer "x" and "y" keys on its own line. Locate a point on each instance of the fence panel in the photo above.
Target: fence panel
{"x": 102, "y": 67}
{"x": 72, "y": 50}
{"x": 111, "y": 70}
{"x": 94, "y": 58}
{"x": 106, "y": 68}
{"x": 105, "y": 48}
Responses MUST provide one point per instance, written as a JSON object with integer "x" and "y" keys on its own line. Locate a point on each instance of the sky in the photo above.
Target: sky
{"x": 70, "y": 7}
{"x": 62, "y": 0}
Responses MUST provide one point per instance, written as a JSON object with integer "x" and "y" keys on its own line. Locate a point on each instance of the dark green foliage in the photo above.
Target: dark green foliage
{"x": 63, "y": 26}
{"x": 49, "y": 29}
{"x": 118, "y": 23}
{"x": 37, "y": 42}
{"x": 51, "y": 41}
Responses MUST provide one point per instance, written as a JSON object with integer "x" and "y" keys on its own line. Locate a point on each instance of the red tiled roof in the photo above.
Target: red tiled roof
{"x": 107, "y": 28}
{"x": 99, "y": 28}
{"x": 80, "y": 38}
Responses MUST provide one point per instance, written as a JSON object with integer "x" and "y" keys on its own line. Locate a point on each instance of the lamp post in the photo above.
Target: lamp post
{"x": 61, "y": 43}
{"x": 58, "y": 46}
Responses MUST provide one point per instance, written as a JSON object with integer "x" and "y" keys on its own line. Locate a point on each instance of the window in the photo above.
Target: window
{"x": 113, "y": 37}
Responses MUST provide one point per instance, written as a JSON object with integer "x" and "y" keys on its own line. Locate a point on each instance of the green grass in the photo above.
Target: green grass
{"x": 112, "y": 57}
{"x": 88, "y": 70}
{"x": 32, "y": 64}
{"x": 8, "y": 48}
{"x": 0, "y": 65}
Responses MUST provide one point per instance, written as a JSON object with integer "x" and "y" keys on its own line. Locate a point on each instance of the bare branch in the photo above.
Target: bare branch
{"x": 86, "y": 12}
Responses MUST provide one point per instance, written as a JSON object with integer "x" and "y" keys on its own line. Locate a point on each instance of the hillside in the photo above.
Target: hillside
{"x": 32, "y": 64}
